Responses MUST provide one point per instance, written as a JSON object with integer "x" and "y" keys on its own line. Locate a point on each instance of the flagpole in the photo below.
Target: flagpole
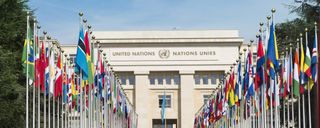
{"x": 27, "y": 74}
{"x": 33, "y": 89}
{"x": 44, "y": 83}
{"x": 106, "y": 91}
{"x": 303, "y": 106}
{"x": 97, "y": 85}
{"x": 265, "y": 82}
{"x": 284, "y": 87}
{"x": 89, "y": 92}
{"x": 90, "y": 87}
{"x": 63, "y": 88}
{"x": 49, "y": 97}
{"x": 299, "y": 104}
{"x": 244, "y": 98}
{"x": 292, "y": 98}
{"x": 80, "y": 106}
{"x": 85, "y": 89}
{"x": 38, "y": 81}
{"x": 53, "y": 111}
{"x": 308, "y": 85}
{"x": 66, "y": 88}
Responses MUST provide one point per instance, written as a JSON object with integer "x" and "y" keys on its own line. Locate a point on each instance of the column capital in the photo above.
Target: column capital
{"x": 186, "y": 72}
{"x": 141, "y": 72}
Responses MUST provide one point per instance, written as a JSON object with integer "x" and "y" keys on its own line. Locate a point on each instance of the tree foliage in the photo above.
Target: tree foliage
{"x": 12, "y": 82}
{"x": 309, "y": 10}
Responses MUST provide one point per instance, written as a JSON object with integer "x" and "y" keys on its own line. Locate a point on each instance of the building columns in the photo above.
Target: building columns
{"x": 141, "y": 99}
{"x": 187, "y": 109}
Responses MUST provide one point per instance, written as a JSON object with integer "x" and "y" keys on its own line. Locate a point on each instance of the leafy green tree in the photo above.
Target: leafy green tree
{"x": 12, "y": 81}
{"x": 307, "y": 9}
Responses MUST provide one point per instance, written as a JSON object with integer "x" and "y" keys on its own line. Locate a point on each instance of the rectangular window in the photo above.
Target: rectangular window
{"x": 213, "y": 79}
{"x": 123, "y": 80}
{"x": 168, "y": 101}
{"x": 168, "y": 80}
{"x": 205, "y": 79}
{"x": 176, "y": 79}
{"x": 160, "y": 79}
{"x": 197, "y": 79}
{"x": 131, "y": 80}
{"x": 152, "y": 80}
{"x": 205, "y": 98}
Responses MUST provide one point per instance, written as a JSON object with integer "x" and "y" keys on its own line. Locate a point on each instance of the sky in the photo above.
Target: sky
{"x": 61, "y": 20}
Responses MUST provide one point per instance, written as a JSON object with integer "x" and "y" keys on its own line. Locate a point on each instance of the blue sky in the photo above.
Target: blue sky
{"x": 61, "y": 20}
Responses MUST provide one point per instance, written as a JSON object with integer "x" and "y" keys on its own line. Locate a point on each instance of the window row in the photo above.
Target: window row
{"x": 164, "y": 79}
{"x": 207, "y": 78}
{"x": 126, "y": 78}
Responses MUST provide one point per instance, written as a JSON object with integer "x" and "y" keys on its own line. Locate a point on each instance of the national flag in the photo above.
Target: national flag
{"x": 314, "y": 60}
{"x": 260, "y": 63}
{"x": 302, "y": 74}
{"x": 28, "y": 55}
{"x": 30, "y": 62}
{"x": 52, "y": 71}
{"x": 307, "y": 68}
{"x": 47, "y": 72}
{"x": 81, "y": 63}
{"x": 296, "y": 81}
{"x": 58, "y": 82}
{"x": 41, "y": 67}
{"x": 231, "y": 90}
{"x": 88, "y": 58}
{"x": 290, "y": 67}
{"x": 238, "y": 87}
{"x": 246, "y": 76}
{"x": 272, "y": 53}
{"x": 251, "y": 85}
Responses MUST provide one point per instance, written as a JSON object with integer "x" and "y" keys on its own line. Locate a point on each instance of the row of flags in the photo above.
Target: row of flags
{"x": 83, "y": 86}
{"x": 252, "y": 90}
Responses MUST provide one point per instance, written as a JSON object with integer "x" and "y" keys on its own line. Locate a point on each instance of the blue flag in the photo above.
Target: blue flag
{"x": 314, "y": 58}
{"x": 81, "y": 61}
{"x": 163, "y": 107}
{"x": 272, "y": 53}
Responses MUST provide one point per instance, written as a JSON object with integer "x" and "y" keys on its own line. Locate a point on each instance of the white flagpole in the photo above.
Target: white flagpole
{"x": 49, "y": 97}
{"x": 299, "y": 104}
{"x": 303, "y": 112}
{"x": 303, "y": 106}
{"x": 292, "y": 98}
{"x": 288, "y": 115}
{"x": 299, "y": 113}
{"x": 81, "y": 107}
{"x": 44, "y": 84}
{"x": 53, "y": 112}
{"x": 284, "y": 115}
{"x": 38, "y": 80}
{"x": 63, "y": 87}
{"x": 105, "y": 91}
{"x": 308, "y": 86}
{"x": 90, "y": 87}
{"x": 33, "y": 89}
{"x": 271, "y": 103}
{"x": 266, "y": 118}
{"x": 27, "y": 74}
{"x": 84, "y": 93}
{"x": 58, "y": 124}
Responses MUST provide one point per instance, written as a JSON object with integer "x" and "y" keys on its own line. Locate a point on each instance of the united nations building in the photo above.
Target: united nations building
{"x": 185, "y": 64}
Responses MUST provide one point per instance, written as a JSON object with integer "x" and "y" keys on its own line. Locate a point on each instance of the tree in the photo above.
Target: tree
{"x": 12, "y": 81}
{"x": 308, "y": 10}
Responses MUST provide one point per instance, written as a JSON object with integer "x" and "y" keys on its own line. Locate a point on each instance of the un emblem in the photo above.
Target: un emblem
{"x": 164, "y": 53}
